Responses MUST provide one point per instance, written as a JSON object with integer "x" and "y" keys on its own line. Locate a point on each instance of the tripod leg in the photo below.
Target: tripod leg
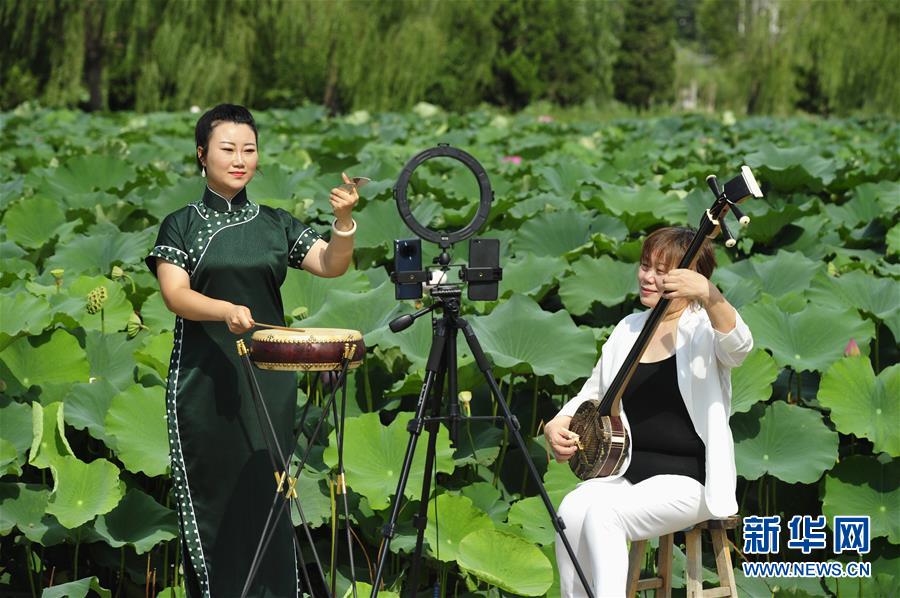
{"x": 513, "y": 427}
{"x": 435, "y": 358}
{"x": 421, "y": 520}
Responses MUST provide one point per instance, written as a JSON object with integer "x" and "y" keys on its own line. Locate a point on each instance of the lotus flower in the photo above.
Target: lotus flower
{"x": 513, "y": 159}
{"x": 852, "y": 349}
{"x": 545, "y": 118}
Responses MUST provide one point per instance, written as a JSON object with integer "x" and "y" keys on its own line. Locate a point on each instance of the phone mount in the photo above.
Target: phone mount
{"x": 483, "y": 272}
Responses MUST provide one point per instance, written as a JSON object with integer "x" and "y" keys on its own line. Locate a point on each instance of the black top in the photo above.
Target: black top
{"x": 663, "y": 438}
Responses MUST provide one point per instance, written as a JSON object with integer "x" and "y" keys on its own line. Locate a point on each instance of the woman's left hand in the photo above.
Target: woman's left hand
{"x": 343, "y": 199}
{"x": 681, "y": 283}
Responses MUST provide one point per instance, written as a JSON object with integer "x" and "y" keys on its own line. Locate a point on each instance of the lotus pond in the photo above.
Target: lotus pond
{"x": 85, "y": 495}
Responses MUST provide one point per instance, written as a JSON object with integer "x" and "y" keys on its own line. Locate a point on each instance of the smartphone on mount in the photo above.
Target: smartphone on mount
{"x": 407, "y": 258}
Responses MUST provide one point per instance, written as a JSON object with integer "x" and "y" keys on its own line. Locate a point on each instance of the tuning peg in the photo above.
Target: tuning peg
{"x": 729, "y": 238}
{"x": 739, "y": 214}
{"x": 713, "y": 185}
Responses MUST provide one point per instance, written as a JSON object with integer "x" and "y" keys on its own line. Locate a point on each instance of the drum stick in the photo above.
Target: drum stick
{"x": 261, "y": 325}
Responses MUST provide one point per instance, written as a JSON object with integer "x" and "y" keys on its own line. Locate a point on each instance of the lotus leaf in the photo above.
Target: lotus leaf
{"x": 752, "y": 382}
{"x": 564, "y": 179}
{"x": 862, "y": 404}
{"x": 364, "y": 589}
{"x": 531, "y": 275}
{"x": 83, "y": 490}
{"x": 487, "y": 498}
{"x": 865, "y": 292}
{"x": 524, "y": 348}
{"x": 553, "y": 234}
{"x": 110, "y": 358}
{"x": 383, "y": 222}
{"x": 301, "y": 290}
{"x": 32, "y": 316}
{"x": 22, "y": 506}
{"x": 450, "y": 519}
{"x": 532, "y": 204}
{"x": 771, "y": 438}
{"x": 155, "y": 315}
{"x": 178, "y": 195}
{"x": 31, "y": 221}
{"x": 885, "y": 193}
{"x": 314, "y": 499}
{"x": 893, "y": 240}
{"x": 77, "y": 589}
{"x": 861, "y": 485}
{"x": 486, "y": 555}
{"x": 641, "y": 208}
{"x": 778, "y": 276}
{"x": 365, "y": 312}
{"x": 138, "y": 521}
{"x": 769, "y": 215}
{"x": 16, "y": 435}
{"x": 137, "y": 421}
{"x": 559, "y": 481}
{"x": 116, "y": 310}
{"x": 811, "y": 339}
{"x": 480, "y": 446}
{"x": 52, "y": 359}
{"x": 84, "y": 174}
{"x": 274, "y": 183}
{"x": 156, "y": 353}
{"x": 101, "y": 249}
{"x": 862, "y": 208}
{"x": 86, "y": 406}
{"x": 602, "y": 280}
{"x": 48, "y": 443}
{"x": 531, "y": 515}
{"x": 374, "y": 453}
{"x": 797, "y": 168}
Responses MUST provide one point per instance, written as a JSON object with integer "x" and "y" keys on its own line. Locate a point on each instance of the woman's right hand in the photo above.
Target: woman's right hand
{"x": 561, "y": 440}
{"x": 238, "y": 319}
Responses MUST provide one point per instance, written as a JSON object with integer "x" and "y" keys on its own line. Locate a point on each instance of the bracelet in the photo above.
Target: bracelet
{"x": 343, "y": 233}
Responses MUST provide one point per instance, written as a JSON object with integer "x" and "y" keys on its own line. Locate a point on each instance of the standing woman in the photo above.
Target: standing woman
{"x": 681, "y": 463}
{"x": 220, "y": 262}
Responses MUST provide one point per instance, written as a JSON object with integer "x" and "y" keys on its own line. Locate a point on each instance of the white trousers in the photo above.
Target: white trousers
{"x": 601, "y": 515}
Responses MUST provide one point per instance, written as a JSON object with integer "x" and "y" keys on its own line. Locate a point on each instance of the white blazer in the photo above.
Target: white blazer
{"x": 704, "y": 358}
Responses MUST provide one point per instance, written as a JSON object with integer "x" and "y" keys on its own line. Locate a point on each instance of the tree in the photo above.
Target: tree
{"x": 644, "y": 72}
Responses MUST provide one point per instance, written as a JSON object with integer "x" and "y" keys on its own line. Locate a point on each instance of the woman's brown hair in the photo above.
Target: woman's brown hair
{"x": 668, "y": 245}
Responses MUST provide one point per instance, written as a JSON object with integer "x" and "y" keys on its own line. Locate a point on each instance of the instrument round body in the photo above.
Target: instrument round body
{"x": 306, "y": 349}
{"x": 602, "y": 442}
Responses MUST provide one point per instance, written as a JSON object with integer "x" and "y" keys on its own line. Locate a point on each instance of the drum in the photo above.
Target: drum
{"x": 306, "y": 349}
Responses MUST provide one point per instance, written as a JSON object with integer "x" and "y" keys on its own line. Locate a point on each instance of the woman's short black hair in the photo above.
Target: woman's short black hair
{"x": 228, "y": 113}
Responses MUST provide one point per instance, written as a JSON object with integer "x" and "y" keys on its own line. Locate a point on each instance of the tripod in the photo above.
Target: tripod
{"x": 441, "y": 364}
{"x": 285, "y": 490}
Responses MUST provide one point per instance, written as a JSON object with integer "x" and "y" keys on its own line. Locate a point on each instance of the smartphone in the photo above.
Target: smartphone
{"x": 484, "y": 253}
{"x": 407, "y": 258}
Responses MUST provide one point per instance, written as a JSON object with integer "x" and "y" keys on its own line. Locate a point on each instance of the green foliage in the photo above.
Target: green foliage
{"x": 83, "y": 453}
{"x": 644, "y": 72}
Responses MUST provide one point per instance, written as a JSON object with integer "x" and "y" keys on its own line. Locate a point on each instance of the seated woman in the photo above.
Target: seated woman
{"x": 681, "y": 468}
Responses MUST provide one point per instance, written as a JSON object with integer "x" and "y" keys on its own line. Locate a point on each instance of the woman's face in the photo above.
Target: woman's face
{"x": 650, "y": 278}
{"x": 231, "y": 158}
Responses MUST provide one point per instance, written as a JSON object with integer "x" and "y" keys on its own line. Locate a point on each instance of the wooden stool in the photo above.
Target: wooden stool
{"x": 693, "y": 574}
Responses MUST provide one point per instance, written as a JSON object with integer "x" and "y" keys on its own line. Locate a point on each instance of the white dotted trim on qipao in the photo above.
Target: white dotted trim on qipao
{"x": 302, "y": 246}
{"x": 173, "y": 255}
{"x": 182, "y": 488}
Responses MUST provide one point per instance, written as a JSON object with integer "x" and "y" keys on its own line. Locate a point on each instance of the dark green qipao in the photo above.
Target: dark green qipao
{"x": 236, "y": 251}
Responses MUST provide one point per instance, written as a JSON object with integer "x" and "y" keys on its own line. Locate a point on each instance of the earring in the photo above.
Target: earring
{"x": 203, "y": 172}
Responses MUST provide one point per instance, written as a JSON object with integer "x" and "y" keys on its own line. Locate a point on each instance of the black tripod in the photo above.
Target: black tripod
{"x": 285, "y": 491}
{"x": 442, "y": 362}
